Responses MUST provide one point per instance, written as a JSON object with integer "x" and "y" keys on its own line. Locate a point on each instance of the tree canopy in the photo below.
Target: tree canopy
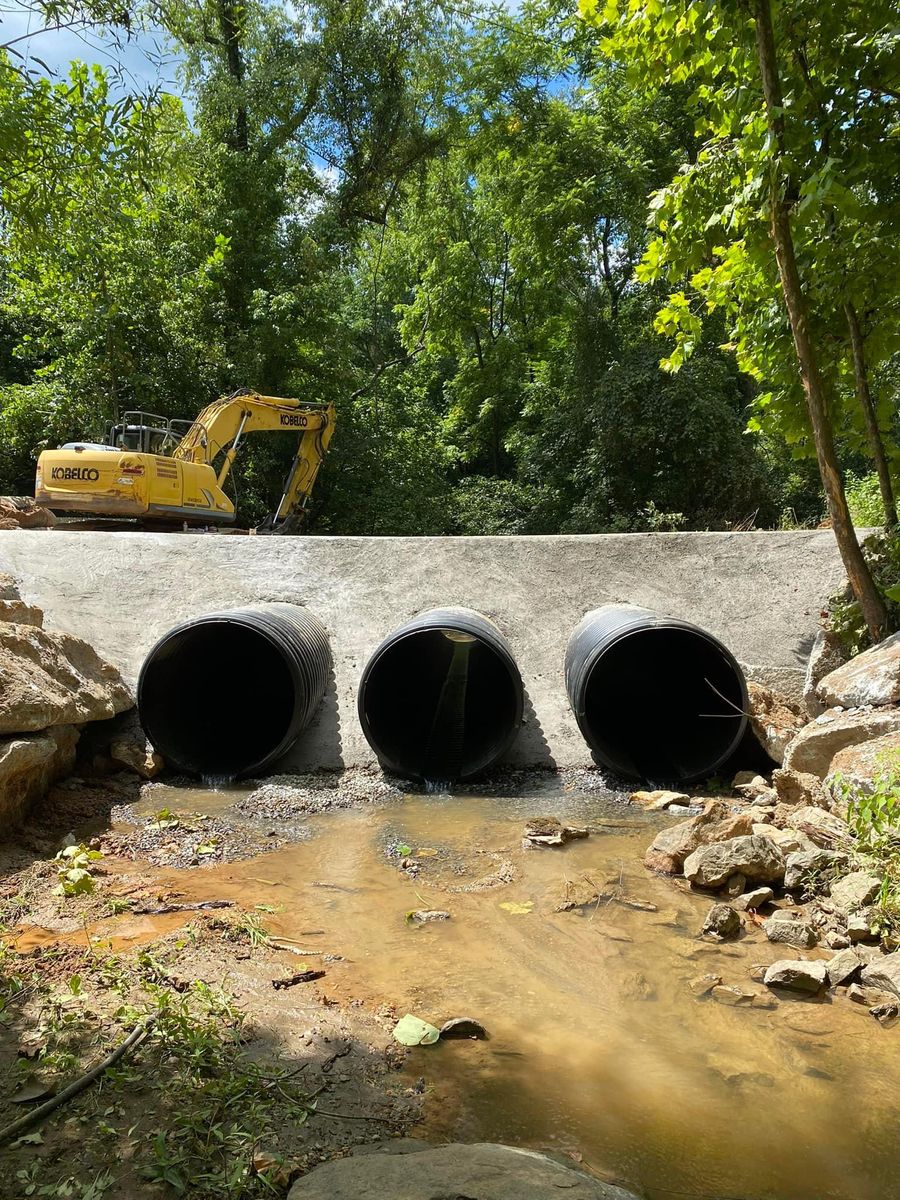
{"x": 527, "y": 254}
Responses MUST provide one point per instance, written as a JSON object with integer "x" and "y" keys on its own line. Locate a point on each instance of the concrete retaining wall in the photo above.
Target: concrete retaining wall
{"x": 760, "y": 593}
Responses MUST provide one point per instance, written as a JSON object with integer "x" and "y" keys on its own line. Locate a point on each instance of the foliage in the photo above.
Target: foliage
{"x": 434, "y": 217}
{"x": 874, "y": 818}
{"x": 882, "y": 552}
{"x": 74, "y": 870}
{"x": 207, "y": 1105}
{"x": 864, "y": 498}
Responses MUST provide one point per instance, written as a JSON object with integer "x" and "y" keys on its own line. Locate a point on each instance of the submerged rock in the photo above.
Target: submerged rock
{"x": 425, "y": 916}
{"x": 464, "y": 1027}
{"x": 654, "y": 801}
{"x": 886, "y": 1013}
{"x": 704, "y": 984}
{"x": 757, "y": 858}
{"x": 482, "y": 1171}
{"x": 549, "y": 831}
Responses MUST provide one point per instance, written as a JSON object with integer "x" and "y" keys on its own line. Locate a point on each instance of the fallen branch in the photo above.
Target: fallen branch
{"x": 171, "y": 908}
{"x": 300, "y": 977}
{"x": 37, "y": 1115}
{"x": 278, "y": 944}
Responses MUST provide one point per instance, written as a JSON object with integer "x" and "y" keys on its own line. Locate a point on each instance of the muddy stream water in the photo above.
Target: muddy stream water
{"x": 597, "y": 1047}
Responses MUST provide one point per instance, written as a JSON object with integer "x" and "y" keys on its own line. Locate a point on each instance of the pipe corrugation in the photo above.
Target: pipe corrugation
{"x": 656, "y": 698}
{"x": 441, "y": 698}
{"x": 226, "y": 694}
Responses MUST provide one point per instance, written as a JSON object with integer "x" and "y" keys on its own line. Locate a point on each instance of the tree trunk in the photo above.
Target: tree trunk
{"x": 870, "y": 601}
{"x": 230, "y": 26}
{"x": 867, "y": 404}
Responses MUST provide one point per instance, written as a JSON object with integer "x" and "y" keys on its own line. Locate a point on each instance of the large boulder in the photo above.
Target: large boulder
{"x": 807, "y": 872}
{"x": 20, "y": 613}
{"x": 28, "y": 767}
{"x": 758, "y": 859}
{"x": 482, "y": 1171}
{"x": 815, "y": 746}
{"x": 672, "y": 845}
{"x": 799, "y": 787}
{"x": 788, "y": 931}
{"x": 855, "y": 891}
{"x": 774, "y": 718}
{"x": 13, "y": 607}
{"x": 128, "y": 747}
{"x": 797, "y": 975}
{"x": 859, "y": 765}
{"x": 823, "y": 828}
{"x": 873, "y": 677}
{"x": 54, "y": 679}
{"x": 826, "y": 656}
{"x": 788, "y": 840}
{"x": 884, "y": 973}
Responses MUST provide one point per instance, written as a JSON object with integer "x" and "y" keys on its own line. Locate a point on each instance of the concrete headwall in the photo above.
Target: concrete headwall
{"x": 760, "y": 593}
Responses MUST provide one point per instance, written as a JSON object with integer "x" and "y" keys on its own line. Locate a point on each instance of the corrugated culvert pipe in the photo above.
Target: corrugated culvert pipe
{"x": 441, "y": 698}
{"x": 656, "y": 698}
{"x": 226, "y": 694}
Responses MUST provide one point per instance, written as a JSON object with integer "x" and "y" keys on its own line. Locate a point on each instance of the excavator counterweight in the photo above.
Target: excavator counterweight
{"x": 155, "y": 469}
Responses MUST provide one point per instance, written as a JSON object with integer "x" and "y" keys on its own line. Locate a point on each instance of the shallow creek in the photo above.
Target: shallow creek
{"x": 597, "y": 1046}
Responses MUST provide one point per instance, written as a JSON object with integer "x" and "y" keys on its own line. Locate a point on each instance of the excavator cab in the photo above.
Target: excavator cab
{"x": 147, "y": 433}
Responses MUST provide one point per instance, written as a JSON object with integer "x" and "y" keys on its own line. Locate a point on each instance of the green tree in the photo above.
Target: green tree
{"x": 733, "y": 219}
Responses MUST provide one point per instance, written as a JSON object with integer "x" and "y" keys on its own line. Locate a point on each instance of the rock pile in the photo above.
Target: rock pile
{"x": 51, "y": 685}
{"x": 782, "y": 851}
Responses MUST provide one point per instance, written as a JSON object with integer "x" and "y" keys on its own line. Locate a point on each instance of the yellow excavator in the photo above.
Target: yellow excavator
{"x": 156, "y": 469}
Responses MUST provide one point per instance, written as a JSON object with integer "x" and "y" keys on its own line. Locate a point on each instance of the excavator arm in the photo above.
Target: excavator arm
{"x": 222, "y": 425}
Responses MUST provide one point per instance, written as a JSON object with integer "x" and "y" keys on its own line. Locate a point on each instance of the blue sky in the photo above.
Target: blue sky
{"x": 142, "y": 58}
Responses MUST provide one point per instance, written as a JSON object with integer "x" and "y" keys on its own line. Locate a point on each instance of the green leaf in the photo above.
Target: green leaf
{"x": 413, "y": 1031}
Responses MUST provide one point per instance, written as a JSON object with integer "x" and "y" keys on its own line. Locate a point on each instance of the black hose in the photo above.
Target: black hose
{"x": 227, "y": 694}
{"x": 655, "y": 698}
{"x": 441, "y": 698}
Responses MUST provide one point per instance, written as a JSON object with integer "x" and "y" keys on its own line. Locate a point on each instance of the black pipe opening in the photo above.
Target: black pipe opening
{"x": 228, "y": 693}
{"x": 441, "y": 703}
{"x": 663, "y": 703}
{"x": 216, "y": 699}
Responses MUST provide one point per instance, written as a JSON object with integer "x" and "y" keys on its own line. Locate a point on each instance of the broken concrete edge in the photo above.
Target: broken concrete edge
{"x": 760, "y": 593}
